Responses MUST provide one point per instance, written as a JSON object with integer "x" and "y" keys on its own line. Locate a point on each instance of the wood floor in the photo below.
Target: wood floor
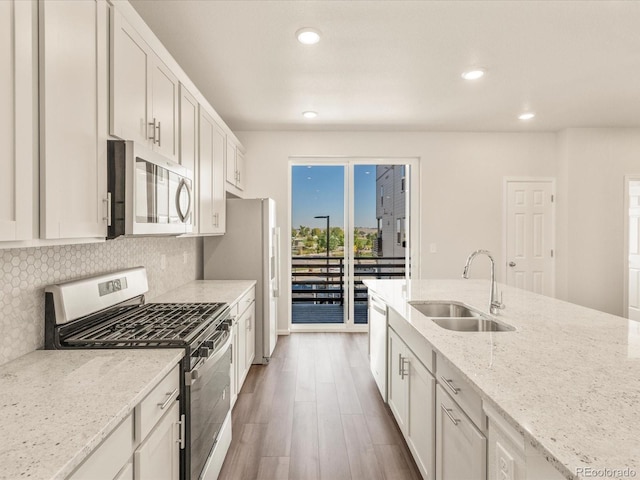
{"x": 315, "y": 413}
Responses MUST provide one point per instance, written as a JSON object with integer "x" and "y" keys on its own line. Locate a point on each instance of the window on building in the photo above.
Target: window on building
{"x": 381, "y": 195}
{"x": 402, "y": 179}
{"x": 399, "y": 231}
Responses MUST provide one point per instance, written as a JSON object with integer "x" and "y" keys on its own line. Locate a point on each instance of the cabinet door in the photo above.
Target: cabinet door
{"x": 164, "y": 109}
{"x": 461, "y": 449}
{"x": 421, "y": 432}
{"x": 242, "y": 351}
{"x": 211, "y": 170}
{"x": 397, "y": 387}
{"x": 73, "y": 118}
{"x": 240, "y": 169}
{"x": 232, "y": 172}
{"x": 18, "y": 127}
{"x": 131, "y": 60}
{"x": 234, "y": 364}
{"x": 250, "y": 333}
{"x": 158, "y": 458}
{"x": 189, "y": 143}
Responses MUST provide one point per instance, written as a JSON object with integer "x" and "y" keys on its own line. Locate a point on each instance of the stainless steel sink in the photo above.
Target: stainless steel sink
{"x": 477, "y": 324}
{"x": 441, "y": 309}
{"x": 459, "y": 317}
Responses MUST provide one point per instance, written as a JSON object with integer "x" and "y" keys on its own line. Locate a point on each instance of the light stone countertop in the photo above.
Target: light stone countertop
{"x": 56, "y": 406}
{"x": 201, "y": 291}
{"x": 568, "y": 378}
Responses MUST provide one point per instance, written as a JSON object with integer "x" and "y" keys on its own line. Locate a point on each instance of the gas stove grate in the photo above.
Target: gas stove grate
{"x": 153, "y": 324}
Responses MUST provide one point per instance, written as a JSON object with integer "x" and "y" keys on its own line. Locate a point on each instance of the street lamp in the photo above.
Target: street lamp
{"x": 328, "y": 237}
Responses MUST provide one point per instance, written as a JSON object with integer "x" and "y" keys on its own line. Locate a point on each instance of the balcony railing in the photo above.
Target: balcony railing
{"x": 317, "y": 286}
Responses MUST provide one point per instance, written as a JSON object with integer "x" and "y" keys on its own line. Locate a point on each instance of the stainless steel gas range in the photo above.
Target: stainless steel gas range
{"x": 109, "y": 311}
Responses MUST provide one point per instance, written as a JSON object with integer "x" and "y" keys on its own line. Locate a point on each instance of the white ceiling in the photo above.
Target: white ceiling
{"x": 396, "y": 65}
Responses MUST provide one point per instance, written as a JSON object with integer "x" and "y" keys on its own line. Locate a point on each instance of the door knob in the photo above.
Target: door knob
{"x": 512, "y": 264}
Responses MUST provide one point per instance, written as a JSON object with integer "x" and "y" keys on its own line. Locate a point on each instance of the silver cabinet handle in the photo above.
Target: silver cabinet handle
{"x": 400, "y": 364}
{"x": 170, "y": 397}
{"x": 512, "y": 264}
{"x": 447, "y": 382}
{"x": 182, "y": 424}
{"x": 158, "y": 127}
{"x": 153, "y": 130}
{"x": 450, "y": 415}
{"x": 183, "y": 216}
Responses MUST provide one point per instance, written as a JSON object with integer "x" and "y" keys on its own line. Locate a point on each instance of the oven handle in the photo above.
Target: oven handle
{"x": 192, "y": 376}
{"x": 183, "y": 184}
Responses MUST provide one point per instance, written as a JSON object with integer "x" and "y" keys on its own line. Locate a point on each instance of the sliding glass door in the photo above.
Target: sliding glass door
{"x": 349, "y": 222}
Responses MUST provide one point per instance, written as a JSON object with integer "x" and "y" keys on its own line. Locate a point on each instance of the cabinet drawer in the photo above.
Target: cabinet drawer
{"x": 158, "y": 402}
{"x": 246, "y": 300}
{"x": 460, "y": 390}
{"x": 110, "y": 457}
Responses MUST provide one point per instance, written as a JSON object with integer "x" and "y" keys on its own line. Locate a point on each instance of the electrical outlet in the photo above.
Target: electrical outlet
{"x": 163, "y": 262}
{"x": 504, "y": 464}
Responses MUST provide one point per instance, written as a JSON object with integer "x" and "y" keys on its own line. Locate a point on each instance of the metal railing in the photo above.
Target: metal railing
{"x": 320, "y": 279}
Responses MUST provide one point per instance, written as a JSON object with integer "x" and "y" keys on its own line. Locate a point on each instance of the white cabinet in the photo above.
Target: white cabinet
{"x": 411, "y": 394}
{"x": 158, "y": 457}
{"x": 18, "y": 120}
{"x": 397, "y": 387}
{"x": 233, "y": 374}
{"x": 189, "y": 143}
{"x": 377, "y": 310}
{"x": 243, "y": 334}
{"x": 211, "y": 154}
{"x": 144, "y": 92}
{"x": 461, "y": 449}
{"x": 250, "y": 337}
{"x": 146, "y": 445}
{"x": 74, "y": 44}
{"x": 235, "y": 166}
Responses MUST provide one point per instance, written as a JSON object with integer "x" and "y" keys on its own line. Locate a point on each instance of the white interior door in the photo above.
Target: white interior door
{"x": 634, "y": 249}
{"x": 530, "y": 235}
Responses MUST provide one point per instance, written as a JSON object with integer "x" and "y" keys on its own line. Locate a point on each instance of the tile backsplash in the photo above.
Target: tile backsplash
{"x": 25, "y": 272}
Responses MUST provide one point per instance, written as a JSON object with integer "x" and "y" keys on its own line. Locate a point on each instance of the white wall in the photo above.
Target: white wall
{"x": 594, "y": 162}
{"x": 461, "y": 183}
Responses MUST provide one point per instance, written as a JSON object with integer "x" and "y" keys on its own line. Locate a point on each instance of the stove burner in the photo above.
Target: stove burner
{"x": 156, "y": 324}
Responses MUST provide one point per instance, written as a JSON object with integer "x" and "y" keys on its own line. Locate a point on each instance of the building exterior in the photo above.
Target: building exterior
{"x": 391, "y": 210}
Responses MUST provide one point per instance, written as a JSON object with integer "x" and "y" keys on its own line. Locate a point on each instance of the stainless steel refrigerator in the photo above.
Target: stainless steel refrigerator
{"x": 249, "y": 250}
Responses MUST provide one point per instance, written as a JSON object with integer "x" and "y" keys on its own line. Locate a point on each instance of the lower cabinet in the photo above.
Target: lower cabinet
{"x": 243, "y": 340}
{"x": 158, "y": 457}
{"x": 461, "y": 449}
{"x": 411, "y": 394}
{"x": 146, "y": 444}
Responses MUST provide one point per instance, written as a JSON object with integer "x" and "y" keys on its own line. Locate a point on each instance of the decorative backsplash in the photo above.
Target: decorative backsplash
{"x": 25, "y": 272}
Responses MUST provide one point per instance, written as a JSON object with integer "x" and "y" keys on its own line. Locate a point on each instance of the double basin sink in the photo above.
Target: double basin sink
{"x": 459, "y": 317}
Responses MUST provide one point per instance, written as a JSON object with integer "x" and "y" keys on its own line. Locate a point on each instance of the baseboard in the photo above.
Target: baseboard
{"x": 284, "y": 332}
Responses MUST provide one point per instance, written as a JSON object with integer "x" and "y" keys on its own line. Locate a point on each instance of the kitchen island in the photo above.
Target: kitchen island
{"x": 567, "y": 379}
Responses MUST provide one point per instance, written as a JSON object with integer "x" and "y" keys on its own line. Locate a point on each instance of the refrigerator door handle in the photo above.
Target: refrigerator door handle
{"x": 276, "y": 255}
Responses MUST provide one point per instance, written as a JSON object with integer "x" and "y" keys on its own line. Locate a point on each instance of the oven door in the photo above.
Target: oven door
{"x": 210, "y": 403}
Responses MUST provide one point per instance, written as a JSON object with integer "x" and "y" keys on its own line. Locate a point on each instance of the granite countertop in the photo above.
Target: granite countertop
{"x": 568, "y": 378}
{"x": 225, "y": 291}
{"x": 56, "y": 406}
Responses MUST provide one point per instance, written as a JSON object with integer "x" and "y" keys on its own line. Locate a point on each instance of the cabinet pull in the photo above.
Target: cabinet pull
{"x": 181, "y": 435}
{"x": 403, "y": 371}
{"x": 170, "y": 397}
{"x": 158, "y": 127}
{"x": 153, "y": 130}
{"x": 447, "y": 382}
{"x": 450, "y": 415}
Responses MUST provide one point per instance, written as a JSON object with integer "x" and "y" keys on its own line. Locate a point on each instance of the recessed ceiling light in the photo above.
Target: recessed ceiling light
{"x": 474, "y": 74}
{"x": 526, "y": 116}
{"x": 308, "y": 36}
{"x": 309, "y": 114}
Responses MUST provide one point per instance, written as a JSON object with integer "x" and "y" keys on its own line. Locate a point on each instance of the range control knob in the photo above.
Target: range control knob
{"x": 203, "y": 352}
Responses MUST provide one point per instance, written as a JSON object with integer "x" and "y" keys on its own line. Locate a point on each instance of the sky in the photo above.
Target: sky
{"x": 319, "y": 190}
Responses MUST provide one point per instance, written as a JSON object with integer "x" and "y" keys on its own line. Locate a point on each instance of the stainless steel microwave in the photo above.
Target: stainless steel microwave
{"x": 148, "y": 194}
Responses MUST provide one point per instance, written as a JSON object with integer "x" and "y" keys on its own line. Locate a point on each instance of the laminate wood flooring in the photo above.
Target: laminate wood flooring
{"x": 315, "y": 413}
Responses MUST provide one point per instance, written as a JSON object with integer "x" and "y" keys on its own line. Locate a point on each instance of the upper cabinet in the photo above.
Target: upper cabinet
{"x": 18, "y": 120}
{"x": 235, "y": 167}
{"x": 211, "y": 177}
{"x": 144, "y": 92}
{"x": 74, "y": 40}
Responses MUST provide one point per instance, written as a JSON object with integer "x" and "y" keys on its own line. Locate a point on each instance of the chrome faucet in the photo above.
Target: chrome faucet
{"x": 494, "y": 305}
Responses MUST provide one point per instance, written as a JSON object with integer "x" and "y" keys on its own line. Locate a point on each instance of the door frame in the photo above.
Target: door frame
{"x": 414, "y": 207}
{"x": 628, "y": 178}
{"x": 505, "y": 219}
